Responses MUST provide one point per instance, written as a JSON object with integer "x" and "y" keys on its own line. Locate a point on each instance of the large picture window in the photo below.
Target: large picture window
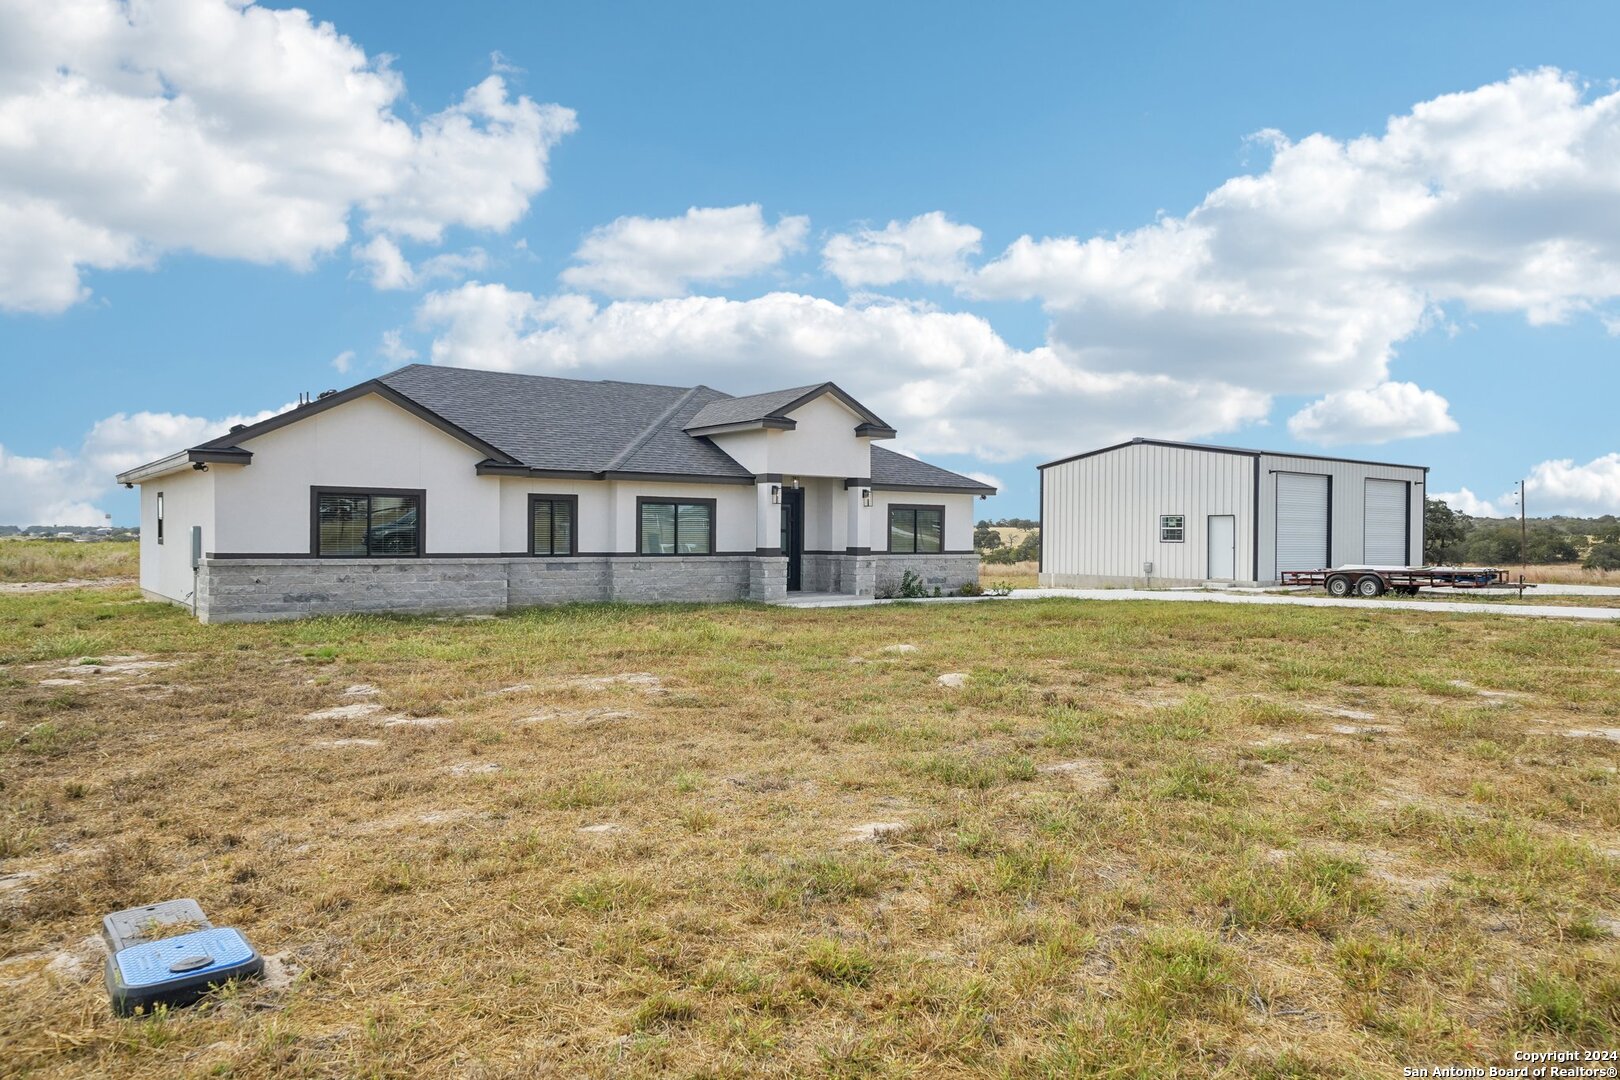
{"x": 353, "y": 523}
{"x": 916, "y": 530}
{"x": 676, "y": 526}
{"x": 551, "y": 524}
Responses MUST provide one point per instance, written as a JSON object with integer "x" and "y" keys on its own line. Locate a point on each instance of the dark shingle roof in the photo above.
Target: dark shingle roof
{"x": 572, "y": 424}
{"x": 743, "y": 410}
{"x": 592, "y": 426}
{"x": 890, "y": 468}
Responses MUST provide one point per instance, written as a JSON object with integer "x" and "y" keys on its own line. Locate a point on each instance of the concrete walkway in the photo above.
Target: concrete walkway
{"x": 1537, "y": 611}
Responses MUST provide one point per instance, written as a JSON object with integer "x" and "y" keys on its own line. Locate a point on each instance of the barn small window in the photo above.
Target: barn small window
{"x": 1172, "y": 528}
{"x": 160, "y": 517}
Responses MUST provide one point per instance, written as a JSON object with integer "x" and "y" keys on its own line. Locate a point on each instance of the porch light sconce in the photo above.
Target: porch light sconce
{"x": 795, "y": 483}
{"x": 776, "y": 493}
{"x": 866, "y": 496}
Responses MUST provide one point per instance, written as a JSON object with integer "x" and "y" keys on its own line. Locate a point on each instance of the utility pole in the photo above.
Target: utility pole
{"x": 1523, "y": 534}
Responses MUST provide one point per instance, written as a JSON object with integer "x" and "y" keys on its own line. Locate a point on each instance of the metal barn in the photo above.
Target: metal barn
{"x": 1152, "y": 512}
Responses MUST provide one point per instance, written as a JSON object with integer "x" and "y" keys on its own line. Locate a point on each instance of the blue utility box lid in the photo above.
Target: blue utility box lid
{"x": 178, "y": 970}
{"x": 200, "y": 953}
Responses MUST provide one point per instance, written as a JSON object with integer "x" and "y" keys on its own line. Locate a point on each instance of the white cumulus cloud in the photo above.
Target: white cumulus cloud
{"x": 661, "y": 257}
{"x": 64, "y": 487}
{"x": 930, "y": 248}
{"x": 235, "y": 131}
{"x": 1303, "y": 278}
{"x": 1464, "y": 501}
{"x": 1559, "y": 486}
{"x": 1388, "y": 411}
{"x": 947, "y": 380}
{"x": 381, "y": 260}
{"x": 1562, "y": 486}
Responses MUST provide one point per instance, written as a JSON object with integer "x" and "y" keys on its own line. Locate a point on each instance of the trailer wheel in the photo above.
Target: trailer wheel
{"x": 1409, "y": 590}
{"x": 1338, "y": 586}
{"x": 1370, "y": 586}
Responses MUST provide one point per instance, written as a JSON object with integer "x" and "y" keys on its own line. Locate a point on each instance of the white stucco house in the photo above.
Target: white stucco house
{"x": 437, "y": 489}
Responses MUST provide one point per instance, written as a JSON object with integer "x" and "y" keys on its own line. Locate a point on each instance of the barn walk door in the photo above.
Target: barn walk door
{"x": 1221, "y": 564}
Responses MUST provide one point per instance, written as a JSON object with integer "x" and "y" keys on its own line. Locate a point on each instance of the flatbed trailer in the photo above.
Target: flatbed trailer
{"x": 1371, "y": 581}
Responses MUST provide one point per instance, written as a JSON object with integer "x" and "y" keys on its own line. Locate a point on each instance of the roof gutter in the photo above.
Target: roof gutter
{"x": 500, "y": 468}
{"x": 937, "y": 489}
{"x": 232, "y": 455}
{"x": 772, "y": 423}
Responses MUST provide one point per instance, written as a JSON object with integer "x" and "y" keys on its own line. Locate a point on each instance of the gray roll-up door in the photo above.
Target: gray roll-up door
{"x": 1384, "y": 523}
{"x": 1302, "y": 522}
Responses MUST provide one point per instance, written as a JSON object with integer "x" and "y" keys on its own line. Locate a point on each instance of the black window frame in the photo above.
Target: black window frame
{"x": 420, "y": 494}
{"x": 915, "y": 532}
{"x": 160, "y": 517}
{"x": 573, "y": 533}
{"x": 1182, "y": 528}
{"x": 663, "y": 500}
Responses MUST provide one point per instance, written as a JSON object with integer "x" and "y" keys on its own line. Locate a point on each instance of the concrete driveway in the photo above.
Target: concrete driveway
{"x": 1190, "y": 596}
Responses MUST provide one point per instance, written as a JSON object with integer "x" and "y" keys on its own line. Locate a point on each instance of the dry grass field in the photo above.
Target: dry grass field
{"x": 65, "y": 560}
{"x": 1139, "y": 840}
{"x": 1568, "y": 574}
{"x": 1023, "y": 575}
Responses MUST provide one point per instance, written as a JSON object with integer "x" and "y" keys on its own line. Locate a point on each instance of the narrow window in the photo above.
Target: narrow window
{"x": 673, "y": 527}
{"x": 551, "y": 524}
{"x": 160, "y": 516}
{"x": 916, "y": 530}
{"x": 367, "y": 524}
{"x": 1172, "y": 528}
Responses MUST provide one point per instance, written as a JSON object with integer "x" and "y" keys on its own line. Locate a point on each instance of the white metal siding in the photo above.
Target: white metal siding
{"x": 1302, "y": 521}
{"x": 1384, "y": 523}
{"x": 1100, "y": 514}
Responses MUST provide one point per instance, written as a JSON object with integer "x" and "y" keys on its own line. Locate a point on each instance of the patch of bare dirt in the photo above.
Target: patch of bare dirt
{"x": 358, "y": 711}
{"x": 115, "y": 665}
{"x": 1610, "y": 733}
{"x": 1083, "y": 773}
{"x": 473, "y": 768}
{"x": 641, "y": 680}
{"x": 415, "y": 721}
{"x": 71, "y": 583}
{"x": 582, "y": 718}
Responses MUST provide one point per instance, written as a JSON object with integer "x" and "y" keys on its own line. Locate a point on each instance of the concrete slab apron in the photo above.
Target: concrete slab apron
{"x": 1523, "y": 611}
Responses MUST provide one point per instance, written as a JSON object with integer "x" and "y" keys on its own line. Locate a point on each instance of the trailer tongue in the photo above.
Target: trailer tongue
{"x": 1369, "y": 581}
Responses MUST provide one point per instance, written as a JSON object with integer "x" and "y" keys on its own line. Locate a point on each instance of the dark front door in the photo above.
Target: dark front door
{"x": 793, "y": 534}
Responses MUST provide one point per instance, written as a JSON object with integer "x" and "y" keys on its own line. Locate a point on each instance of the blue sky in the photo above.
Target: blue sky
{"x": 1450, "y": 305}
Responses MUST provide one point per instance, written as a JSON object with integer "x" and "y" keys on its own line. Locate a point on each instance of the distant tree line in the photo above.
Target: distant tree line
{"x": 994, "y": 548}
{"x": 1450, "y": 537}
{"x": 92, "y": 532}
